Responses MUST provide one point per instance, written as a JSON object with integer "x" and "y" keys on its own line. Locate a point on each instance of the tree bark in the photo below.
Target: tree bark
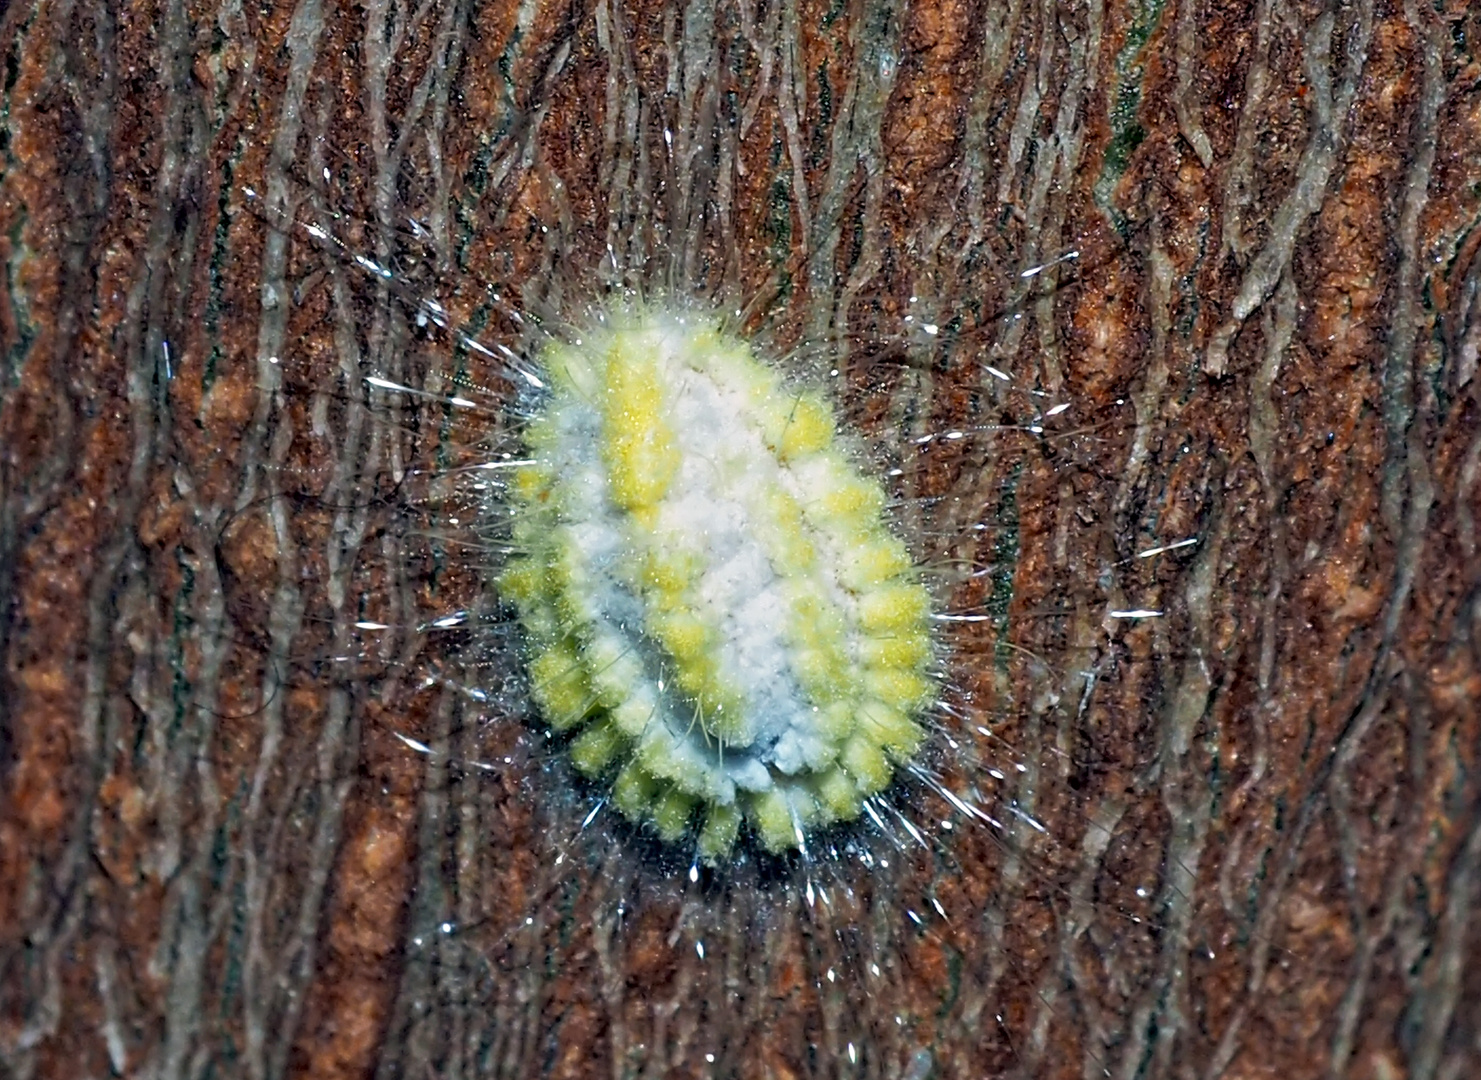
{"x": 244, "y": 833}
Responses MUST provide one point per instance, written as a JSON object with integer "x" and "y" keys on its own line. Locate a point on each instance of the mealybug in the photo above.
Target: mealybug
{"x": 711, "y": 595}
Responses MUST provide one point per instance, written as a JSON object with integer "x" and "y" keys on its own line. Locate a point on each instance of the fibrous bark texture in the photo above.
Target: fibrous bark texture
{"x": 1204, "y": 798}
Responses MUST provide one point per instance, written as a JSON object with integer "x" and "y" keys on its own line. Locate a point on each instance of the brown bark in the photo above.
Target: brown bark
{"x": 1262, "y": 845}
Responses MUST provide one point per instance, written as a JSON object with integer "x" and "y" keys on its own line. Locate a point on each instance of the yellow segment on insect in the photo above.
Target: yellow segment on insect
{"x": 715, "y": 608}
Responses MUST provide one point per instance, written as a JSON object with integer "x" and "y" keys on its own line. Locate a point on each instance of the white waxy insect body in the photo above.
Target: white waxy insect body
{"x": 709, "y": 591}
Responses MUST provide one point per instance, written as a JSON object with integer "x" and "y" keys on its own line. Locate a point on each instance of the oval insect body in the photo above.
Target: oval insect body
{"x": 713, "y": 604}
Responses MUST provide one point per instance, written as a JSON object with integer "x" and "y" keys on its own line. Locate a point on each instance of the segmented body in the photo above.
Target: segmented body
{"x": 714, "y": 605}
